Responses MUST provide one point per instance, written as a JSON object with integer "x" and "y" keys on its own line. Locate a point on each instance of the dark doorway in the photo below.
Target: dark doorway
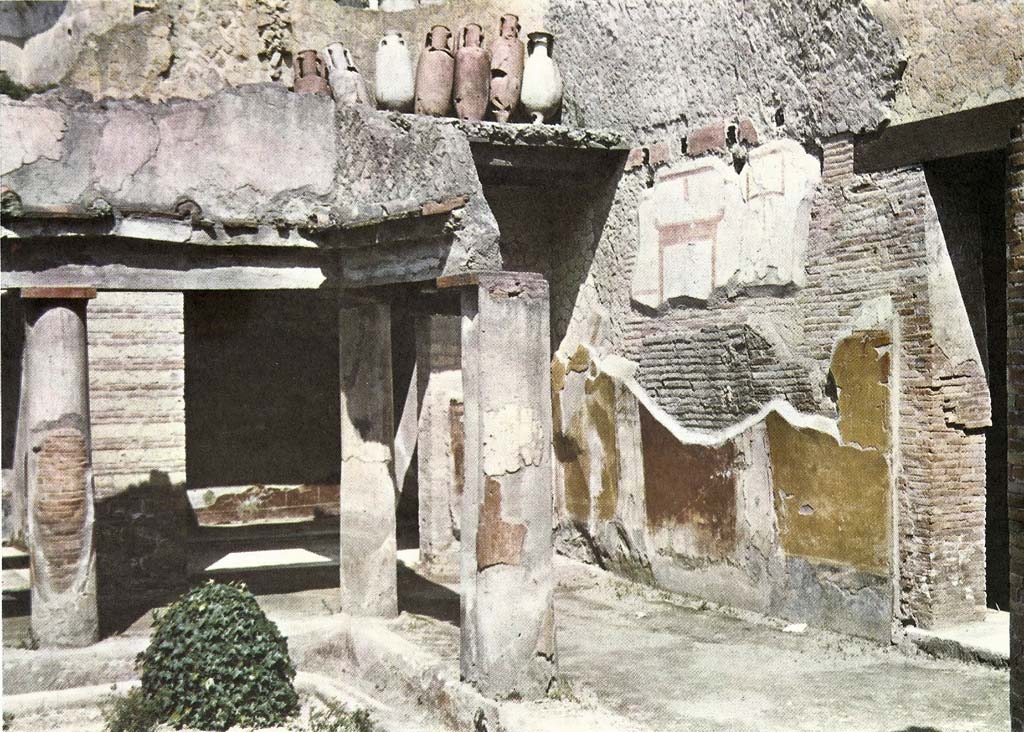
{"x": 261, "y": 388}
{"x": 969, "y": 194}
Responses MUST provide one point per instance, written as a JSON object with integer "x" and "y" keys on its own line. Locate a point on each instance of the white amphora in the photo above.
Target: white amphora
{"x": 394, "y": 79}
{"x": 542, "y": 83}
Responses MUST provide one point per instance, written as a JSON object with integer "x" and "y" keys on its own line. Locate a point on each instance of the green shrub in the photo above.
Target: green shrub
{"x": 337, "y": 718}
{"x": 215, "y": 661}
{"x": 133, "y": 712}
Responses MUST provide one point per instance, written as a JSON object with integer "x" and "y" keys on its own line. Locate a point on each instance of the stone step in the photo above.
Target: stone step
{"x": 985, "y": 641}
{"x": 14, "y": 558}
{"x": 17, "y": 586}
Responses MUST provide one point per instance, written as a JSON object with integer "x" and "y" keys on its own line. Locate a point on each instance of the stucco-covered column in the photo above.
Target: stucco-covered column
{"x": 1015, "y": 414}
{"x": 508, "y": 636}
{"x": 368, "y": 544}
{"x": 58, "y": 468}
{"x": 440, "y": 440}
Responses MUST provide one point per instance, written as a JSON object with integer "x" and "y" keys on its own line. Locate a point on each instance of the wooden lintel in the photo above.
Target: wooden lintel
{"x": 474, "y": 279}
{"x": 58, "y": 293}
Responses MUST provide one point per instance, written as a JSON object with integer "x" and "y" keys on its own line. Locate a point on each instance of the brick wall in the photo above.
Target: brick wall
{"x": 1015, "y": 414}
{"x": 137, "y": 405}
{"x": 136, "y": 388}
{"x": 869, "y": 246}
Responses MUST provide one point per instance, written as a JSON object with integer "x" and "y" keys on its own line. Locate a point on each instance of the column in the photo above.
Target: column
{"x": 368, "y": 543}
{"x": 1015, "y": 414}
{"x": 58, "y": 467}
{"x": 508, "y": 637}
{"x": 440, "y": 440}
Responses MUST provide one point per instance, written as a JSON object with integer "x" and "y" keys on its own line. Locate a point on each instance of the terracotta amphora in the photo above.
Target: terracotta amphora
{"x": 542, "y": 83}
{"x": 346, "y": 82}
{"x": 435, "y": 74}
{"x": 472, "y": 88}
{"x": 394, "y": 80}
{"x": 507, "y": 57}
{"x": 309, "y": 75}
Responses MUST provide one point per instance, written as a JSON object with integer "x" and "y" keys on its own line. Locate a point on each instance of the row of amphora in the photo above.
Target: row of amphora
{"x": 472, "y": 79}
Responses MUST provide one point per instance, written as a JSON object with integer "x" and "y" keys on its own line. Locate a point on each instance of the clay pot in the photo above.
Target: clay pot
{"x": 309, "y": 75}
{"x": 394, "y": 73}
{"x": 435, "y": 74}
{"x": 542, "y": 83}
{"x": 396, "y": 6}
{"x": 507, "y": 57}
{"x": 346, "y": 82}
{"x": 472, "y": 89}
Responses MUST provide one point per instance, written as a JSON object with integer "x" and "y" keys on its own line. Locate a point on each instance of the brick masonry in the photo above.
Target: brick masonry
{"x": 1015, "y": 415}
{"x": 136, "y": 388}
{"x": 137, "y": 404}
{"x": 868, "y": 251}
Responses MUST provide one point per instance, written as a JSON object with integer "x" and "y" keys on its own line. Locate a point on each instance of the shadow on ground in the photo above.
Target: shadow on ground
{"x": 421, "y": 596}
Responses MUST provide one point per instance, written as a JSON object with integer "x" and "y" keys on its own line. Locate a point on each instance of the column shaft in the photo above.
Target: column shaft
{"x": 438, "y": 366}
{"x": 368, "y": 543}
{"x": 58, "y": 472}
{"x": 508, "y": 638}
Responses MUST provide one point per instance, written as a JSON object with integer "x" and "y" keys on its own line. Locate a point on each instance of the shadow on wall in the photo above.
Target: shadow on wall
{"x": 141, "y": 550}
{"x": 12, "y": 337}
{"x": 557, "y": 238}
{"x": 19, "y": 21}
{"x": 968, "y": 193}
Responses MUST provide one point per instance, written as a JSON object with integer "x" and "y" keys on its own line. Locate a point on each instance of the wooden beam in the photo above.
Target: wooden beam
{"x": 58, "y": 293}
{"x": 972, "y": 131}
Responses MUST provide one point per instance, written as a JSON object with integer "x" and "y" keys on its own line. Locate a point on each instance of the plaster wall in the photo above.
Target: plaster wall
{"x": 784, "y": 513}
{"x": 874, "y": 259}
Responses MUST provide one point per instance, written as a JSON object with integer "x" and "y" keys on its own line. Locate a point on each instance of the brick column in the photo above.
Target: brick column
{"x": 1015, "y": 414}
{"x": 58, "y": 472}
{"x": 507, "y": 584}
{"x": 368, "y": 544}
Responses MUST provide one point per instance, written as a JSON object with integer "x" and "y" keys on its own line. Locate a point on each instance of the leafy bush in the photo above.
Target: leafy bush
{"x": 215, "y": 661}
{"x": 133, "y": 712}
{"x": 336, "y": 718}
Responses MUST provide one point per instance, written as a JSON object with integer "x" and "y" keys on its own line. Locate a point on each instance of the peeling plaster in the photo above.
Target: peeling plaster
{"x": 30, "y": 134}
{"x": 497, "y": 541}
{"x": 515, "y": 437}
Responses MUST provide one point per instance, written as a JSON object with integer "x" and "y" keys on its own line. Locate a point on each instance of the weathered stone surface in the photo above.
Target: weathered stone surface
{"x": 440, "y": 441}
{"x": 41, "y": 41}
{"x": 959, "y": 55}
{"x": 707, "y": 61}
{"x": 59, "y": 474}
{"x": 368, "y": 542}
{"x": 703, "y": 226}
{"x": 508, "y": 643}
{"x": 869, "y": 262}
{"x": 252, "y": 156}
{"x": 712, "y": 58}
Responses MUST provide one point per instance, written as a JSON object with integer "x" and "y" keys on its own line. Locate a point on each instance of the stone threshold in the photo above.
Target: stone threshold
{"x": 985, "y": 641}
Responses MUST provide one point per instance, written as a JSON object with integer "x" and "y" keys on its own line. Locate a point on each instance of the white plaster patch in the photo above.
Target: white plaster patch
{"x": 30, "y": 133}
{"x": 514, "y": 438}
{"x": 703, "y": 226}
